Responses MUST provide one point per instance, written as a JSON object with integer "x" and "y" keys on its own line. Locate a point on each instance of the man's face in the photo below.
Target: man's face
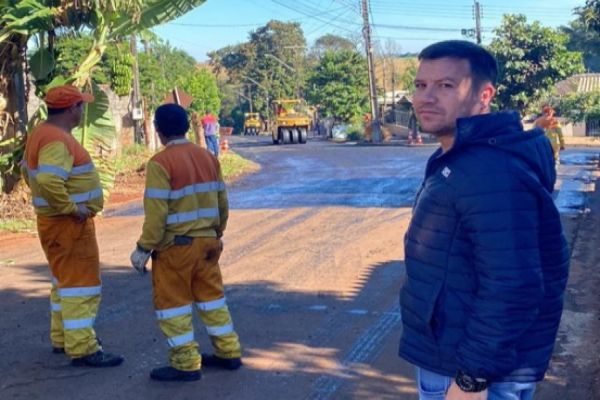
{"x": 77, "y": 113}
{"x": 444, "y": 92}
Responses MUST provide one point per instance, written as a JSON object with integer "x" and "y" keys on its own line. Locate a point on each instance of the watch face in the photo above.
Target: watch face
{"x": 466, "y": 383}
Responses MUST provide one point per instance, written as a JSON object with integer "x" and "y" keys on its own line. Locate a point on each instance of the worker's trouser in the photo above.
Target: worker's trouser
{"x": 72, "y": 253}
{"x": 184, "y": 275}
{"x": 555, "y": 142}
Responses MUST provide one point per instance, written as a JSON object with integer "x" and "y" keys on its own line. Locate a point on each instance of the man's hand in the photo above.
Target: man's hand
{"x": 139, "y": 258}
{"x": 82, "y": 213}
{"x": 454, "y": 393}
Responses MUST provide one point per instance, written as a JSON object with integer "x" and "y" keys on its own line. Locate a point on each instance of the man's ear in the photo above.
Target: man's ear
{"x": 486, "y": 94}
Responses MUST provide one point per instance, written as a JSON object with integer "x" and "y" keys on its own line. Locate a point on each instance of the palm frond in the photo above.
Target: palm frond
{"x": 154, "y": 12}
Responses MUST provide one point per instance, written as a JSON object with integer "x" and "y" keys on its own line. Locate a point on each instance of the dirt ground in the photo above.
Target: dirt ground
{"x": 314, "y": 295}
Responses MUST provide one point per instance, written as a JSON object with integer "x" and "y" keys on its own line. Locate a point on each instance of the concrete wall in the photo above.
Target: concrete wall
{"x": 121, "y": 111}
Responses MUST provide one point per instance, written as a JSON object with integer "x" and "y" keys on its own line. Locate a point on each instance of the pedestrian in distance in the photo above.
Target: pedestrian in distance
{"x": 210, "y": 125}
{"x": 67, "y": 194}
{"x": 186, "y": 212}
{"x": 486, "y": 258}
{"x": 553, "y": 130}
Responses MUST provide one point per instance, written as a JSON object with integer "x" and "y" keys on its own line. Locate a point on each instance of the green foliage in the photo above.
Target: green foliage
{"x": 339, "y": 85}
{"x": 131, "y": 159}
{"x": 586, "y": 41}
{"x": 578, "y": 107}
{"x": 161, "y": 70}
{"x": 531, "y": 59}
{"x": 330, "y": 42}
{"x": 202, "y": 86}
{"x": 98, "y": 135}
{"x": 590, "y": 14}
{"x": 407, "y": 79}
{"x": 263, "y": 59}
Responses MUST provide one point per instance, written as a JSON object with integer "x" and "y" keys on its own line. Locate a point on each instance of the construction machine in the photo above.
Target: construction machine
{"x": 291, "y": 121}
{"x": 252, "y": 123}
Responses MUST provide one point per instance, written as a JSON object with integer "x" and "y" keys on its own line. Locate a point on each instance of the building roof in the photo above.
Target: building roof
{"x": 580, "y": 83}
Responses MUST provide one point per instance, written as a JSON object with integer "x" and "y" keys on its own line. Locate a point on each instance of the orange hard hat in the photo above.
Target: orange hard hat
{"x": 66, "y": 96}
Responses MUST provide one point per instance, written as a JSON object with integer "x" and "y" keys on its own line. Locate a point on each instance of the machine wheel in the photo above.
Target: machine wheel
{"x": 303, "y": 135}
{"x": 294, "y": 135}
{"x": 286, "y": 136}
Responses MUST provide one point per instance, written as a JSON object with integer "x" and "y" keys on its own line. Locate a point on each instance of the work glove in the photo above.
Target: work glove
{"x": 139, "y": 258}
{"x": 82, "y": 213}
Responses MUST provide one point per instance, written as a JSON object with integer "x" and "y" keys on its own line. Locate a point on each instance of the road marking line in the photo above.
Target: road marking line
{"x": 365, "y": 349}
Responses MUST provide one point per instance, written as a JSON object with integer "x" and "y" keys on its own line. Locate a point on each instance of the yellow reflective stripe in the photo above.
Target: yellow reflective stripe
{"x": 219, "y": 330}
{"x": 82, "y": 169}
{"x": 75, "y": 198}
{"x": 211, "y": 305}
{"x": 173, "y": 312}
{"x": 164, "y": 194}
{"x": 52, "y": 169}
{"x": 78, "y": 323}
{"x": 192, "y": 215}
{"x": 181, "y": 339}
{"x": 80, "y": 291}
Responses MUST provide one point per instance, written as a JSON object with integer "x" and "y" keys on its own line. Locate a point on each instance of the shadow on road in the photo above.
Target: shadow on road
{"x": 306, "y": 345}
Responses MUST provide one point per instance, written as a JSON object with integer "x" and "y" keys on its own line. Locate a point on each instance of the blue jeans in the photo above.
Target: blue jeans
{"x": 433, "y": 386}
{"x": 212, "y": 144}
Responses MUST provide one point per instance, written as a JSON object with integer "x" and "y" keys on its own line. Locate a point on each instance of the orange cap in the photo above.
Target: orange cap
{"x": 66, "y": 96}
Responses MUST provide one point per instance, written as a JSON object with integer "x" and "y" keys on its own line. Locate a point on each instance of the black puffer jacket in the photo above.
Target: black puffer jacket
{"x": 486, "y": 258}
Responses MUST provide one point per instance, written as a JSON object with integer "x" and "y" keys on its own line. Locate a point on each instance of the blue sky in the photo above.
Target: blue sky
{"x": 409, "y": 24}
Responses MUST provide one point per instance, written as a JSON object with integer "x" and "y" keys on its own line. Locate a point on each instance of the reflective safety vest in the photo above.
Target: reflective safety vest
{"x": 60, "y": 172}
{"x": 185, "y": 196}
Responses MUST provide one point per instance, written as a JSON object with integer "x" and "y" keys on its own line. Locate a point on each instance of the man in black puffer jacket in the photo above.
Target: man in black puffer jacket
{"x": 486, "y": 258}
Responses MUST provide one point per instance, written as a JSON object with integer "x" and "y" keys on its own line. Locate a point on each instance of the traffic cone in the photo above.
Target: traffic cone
{"x": 224, "y": 145}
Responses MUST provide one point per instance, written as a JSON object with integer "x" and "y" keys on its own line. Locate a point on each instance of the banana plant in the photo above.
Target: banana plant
{"x": 107, "y": 20}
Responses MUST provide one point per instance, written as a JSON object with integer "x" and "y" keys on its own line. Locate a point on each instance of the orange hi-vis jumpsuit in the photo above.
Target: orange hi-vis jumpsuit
{"x": 61, "y": 174}
{"x": 186, "y": 211}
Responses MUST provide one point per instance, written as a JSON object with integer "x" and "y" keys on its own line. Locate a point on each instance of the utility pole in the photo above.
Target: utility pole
{"x": 372, "y": 88}
{"x": 478, "y": 22}
{"x": 136, "y": 110}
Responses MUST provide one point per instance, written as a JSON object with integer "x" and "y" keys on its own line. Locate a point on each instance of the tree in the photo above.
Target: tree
{"x": 271, "y": 63}
{"x": 578, "y": 107}
{"x": 44, "y": 19}
{"x": 586, "y": 41}
{"x": 590, "y": 14}
{"x": 331, "y": 42}
{"x": 202, "y": 86}
{"x": 339, "y": 85}
{"x": 531, "y": 59}
{"x": 162, "y": 68}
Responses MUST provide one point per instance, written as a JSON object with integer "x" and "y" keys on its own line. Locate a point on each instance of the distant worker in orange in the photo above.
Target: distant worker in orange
{"x": 186, "y": 212}
{"x": 66, "y": 192}
{"x": 551, "y": 126}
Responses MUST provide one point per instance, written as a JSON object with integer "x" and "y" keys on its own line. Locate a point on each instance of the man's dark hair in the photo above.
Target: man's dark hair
{"x": 483, "y": 64}
{"x": 171, "y": 120}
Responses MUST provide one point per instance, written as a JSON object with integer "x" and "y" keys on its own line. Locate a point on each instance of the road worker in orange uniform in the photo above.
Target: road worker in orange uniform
{"x": 66, "y": 195}
{"x": 186, "y": 211}
{"x": 551, "y": 126}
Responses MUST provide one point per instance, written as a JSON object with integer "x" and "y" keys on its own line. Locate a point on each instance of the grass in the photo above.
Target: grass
{"x": 235, "y": 166}
{"x": 132, "y": 158}
{"x": 17, "y": 225}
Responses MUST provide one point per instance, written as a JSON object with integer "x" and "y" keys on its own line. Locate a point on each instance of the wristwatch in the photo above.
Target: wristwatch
{"x": 470, "y": 384}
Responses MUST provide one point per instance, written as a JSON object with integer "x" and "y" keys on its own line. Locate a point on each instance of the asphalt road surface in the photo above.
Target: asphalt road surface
{"x": 313, "y": 263}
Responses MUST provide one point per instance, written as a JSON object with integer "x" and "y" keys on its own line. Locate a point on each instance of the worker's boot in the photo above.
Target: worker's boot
{"x": 98, "y": 359}
{"x": 174, "y": 374}
{"x": 211, "y": 360}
